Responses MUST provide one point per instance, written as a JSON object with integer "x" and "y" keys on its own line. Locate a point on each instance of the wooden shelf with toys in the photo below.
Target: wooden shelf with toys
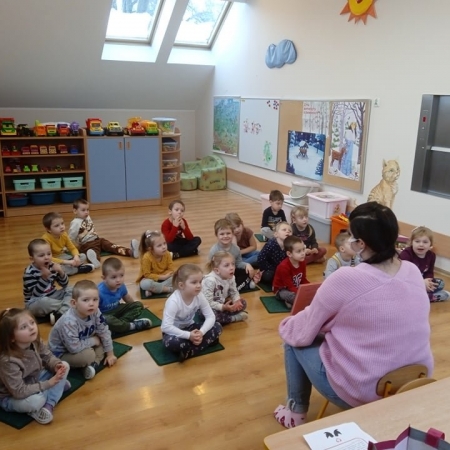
{"x": 170, "y": 164}
{"x": 39, "y": 174}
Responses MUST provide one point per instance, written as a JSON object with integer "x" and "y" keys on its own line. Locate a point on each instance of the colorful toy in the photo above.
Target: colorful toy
{"x": 15, "y": 151}
{"x": 74, "y": 128}
{"x": 8, "y": 169}
{"x": 94, "y": 127}
{"x": 114, "y": 129}
{"x": 62, "y": 148}
{"x": 58, "y": 168}
{"x": 52, "y": 149}
{"x": 34, "y": 149}
{"x": 24, "y": 131}
{"x": 39, "y": 130}
{"x": 72, "y": 166}
{"x": 43, "y": 150}
{"x": 34, "y": 167}
{"x": 51, "y": 129}
{"x": 17, "y": 168}
{"x": 150, "y": 127}
{"x": 73, "y": 149}
{"x": 26, "y": 168}
{"x": 62, "y": 129}
{"x": 25, "y": 150}
{"x": 5, "y": 151}
{"x": 135, "y": 130}
{"x": 7, "y": 127}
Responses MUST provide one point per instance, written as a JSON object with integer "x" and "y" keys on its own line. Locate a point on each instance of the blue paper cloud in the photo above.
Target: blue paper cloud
{"x": 281, "y": 54}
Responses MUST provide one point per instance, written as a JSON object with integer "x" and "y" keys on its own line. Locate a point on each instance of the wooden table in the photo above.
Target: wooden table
{"x": 422, "y": 408}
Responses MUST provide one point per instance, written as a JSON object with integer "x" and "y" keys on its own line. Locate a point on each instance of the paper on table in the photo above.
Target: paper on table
{"x": 346, "y": 436}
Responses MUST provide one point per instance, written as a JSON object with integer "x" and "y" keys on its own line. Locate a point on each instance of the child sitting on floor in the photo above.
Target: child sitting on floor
{"x": 32, "y": 379}
{"x": 120, "y": 317}
{"x": 180, "y": 240}
{"x": 273, "y": 215}
{"x": 291, "y": 272}
{"x": 83, "y": 235}
{"x": 244, "y": 239}
{"x": 155, "y": 274}
{"x": 345, "y": 255}
{"x": 64, "y": 251}
{"x": 244, "y": 272}
{"x": 420, "y": 254}
{"x": 302, "y": 229}
{"x": 273, "y": 252}
{"x": 81, "y": 336}
{"x": 41, "y": 296}
{"x": 181, "y": 334}
{"x": 219, "y": 288}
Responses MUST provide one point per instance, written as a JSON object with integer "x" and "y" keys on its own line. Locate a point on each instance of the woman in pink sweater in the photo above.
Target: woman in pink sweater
{"x": 364, "y": 322}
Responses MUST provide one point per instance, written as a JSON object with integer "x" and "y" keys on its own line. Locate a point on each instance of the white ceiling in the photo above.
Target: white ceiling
{"x": 50, "y": 57}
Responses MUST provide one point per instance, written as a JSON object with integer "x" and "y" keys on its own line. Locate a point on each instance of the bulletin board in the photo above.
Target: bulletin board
{"x": 258, "y": 132}
{"x": 226, "y": 125}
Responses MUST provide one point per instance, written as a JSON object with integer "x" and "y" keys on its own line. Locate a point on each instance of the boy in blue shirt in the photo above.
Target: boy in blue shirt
{"x": 120, "y": 317}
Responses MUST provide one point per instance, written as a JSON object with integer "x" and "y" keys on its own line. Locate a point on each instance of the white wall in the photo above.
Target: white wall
{"x": 185, "y": 120}
{"x": 397, "y": 57}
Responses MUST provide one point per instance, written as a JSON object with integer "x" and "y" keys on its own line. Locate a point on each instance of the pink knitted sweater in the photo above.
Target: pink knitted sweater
{"x": 373, "y": 323}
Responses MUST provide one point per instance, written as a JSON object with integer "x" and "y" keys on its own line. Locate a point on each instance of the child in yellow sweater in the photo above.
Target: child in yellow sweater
{"x": 155, "y": 275}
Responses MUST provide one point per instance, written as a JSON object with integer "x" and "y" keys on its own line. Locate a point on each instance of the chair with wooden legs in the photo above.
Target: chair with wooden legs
{"x": 398, "y": 380}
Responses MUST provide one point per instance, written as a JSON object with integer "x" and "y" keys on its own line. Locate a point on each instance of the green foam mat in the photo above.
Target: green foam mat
{"x": 243, "y": 291}
{"x": 106, "y": 254}
{"x": 145, "y": 314}
{"x": 119, "y": 351}
{"x": 162, "y": 356}
{"x": 162, "y": 295}
{"x": 273, "y": 305}
{"x": 260, "y": 237}
{"x": 265, "y": 287}
{"x": 20, "y": 420}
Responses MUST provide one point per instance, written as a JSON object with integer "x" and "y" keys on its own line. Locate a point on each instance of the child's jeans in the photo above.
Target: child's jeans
{"x": 154, "y": 286}
{"x": 71, "y": 270}
{"x": 35, "y": 402}
{"x": 251, "y": 257}
{"x": 58, "y": 302}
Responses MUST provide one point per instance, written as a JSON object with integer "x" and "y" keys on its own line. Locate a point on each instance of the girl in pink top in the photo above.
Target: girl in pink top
{"x": 364, "y": 322}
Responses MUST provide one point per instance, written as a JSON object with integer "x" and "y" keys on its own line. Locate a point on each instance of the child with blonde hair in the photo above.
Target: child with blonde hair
{"x": 345, "y": 255}
{"x": 244, "y": 238}
{"x": 302, "y": 228}
{"x": 155, "y": 274}
{"x": 273, "y": 252}
{"x": 181, "y": 334}
{"x": 32, "y": 379}
{"x": 219, "y": 288}
{"x": 419, "y": 253}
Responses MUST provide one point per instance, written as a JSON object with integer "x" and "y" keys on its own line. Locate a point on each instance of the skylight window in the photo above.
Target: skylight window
{"x": 201, "y": 22}
{"x": 133, "y": 20}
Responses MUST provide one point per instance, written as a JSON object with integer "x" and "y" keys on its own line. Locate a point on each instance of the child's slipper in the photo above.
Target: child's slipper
{"x": 288, "y": 418}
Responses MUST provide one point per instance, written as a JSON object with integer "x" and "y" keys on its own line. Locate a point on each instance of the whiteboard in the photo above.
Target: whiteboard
{"x": 258, "y": 132}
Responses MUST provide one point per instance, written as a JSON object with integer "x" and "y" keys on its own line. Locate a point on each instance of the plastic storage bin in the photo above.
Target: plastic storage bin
{"x": 322, "y": 227}
{"x": 169, "y": 145}
{"x": 327, "y": 204}
{"x": 170, "y": 177}
{"x": 338, "y": 224}
{"x": 70, "y": 196}
{"x": 50, "y": 183}
{"x": 17, "y": 199}
{"x": 24, "y": 185}
{"x": 43, "y": 198}
{"x": 165, "y": 124}
{"x": 73, "y": 182}
{"x": 169, "y": 163}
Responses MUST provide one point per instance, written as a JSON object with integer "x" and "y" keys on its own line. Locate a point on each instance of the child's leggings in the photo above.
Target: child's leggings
{"x": 154, "y": 286}
{"x": 58, "y": 301}
{"x": 184, "y": 247}
{"x": 177, "y": 345}
{"x": 35, "y": 402}
{"x": 226, "y": 317}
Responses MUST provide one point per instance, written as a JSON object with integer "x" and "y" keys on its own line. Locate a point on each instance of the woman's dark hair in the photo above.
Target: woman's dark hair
{"x": 377, "y": 226}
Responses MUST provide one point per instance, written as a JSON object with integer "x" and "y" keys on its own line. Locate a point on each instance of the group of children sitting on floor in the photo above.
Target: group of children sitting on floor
{"x": 33, "y": 376}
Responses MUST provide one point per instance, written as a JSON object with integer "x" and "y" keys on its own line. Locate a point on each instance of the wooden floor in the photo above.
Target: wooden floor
{"x": 220, "y": 401}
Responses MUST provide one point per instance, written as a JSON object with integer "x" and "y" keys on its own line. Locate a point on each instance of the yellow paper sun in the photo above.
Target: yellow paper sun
{"x": 360, "y": 10}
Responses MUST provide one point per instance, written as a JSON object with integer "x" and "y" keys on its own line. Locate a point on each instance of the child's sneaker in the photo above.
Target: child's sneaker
{"x": 135, "y": 253}
{"x": 252, "y": 285}
{"x": 240, "y": 316}
{"x": 175, "y": 255}
{"x": 43, "y": 416}
{"x": 92, "y": 257}
{"x": 142, "y": 324}
{"x": 86, "y": 268}
{"x": 440, "y": 296}
{"x": 89, "y": 371}
{"x": 54, "y": 317}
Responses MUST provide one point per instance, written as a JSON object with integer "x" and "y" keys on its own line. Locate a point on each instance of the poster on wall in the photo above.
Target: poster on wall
{"x": 258, "y": 132}
{"x": 226, "y": 125}
{"x": 316, "y": 117}
{"x": 346, "y": 151}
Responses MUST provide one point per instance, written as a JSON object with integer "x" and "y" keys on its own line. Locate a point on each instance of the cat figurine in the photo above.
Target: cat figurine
{"x": 384, "y": 192}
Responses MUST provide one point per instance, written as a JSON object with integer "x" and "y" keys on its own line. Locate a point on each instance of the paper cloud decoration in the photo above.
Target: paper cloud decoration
{"x": 281, "y": 54}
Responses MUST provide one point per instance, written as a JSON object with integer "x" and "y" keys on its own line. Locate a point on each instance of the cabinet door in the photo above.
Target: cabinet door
{"x": 142, "y": 164}
{"x": 106, "y": 169}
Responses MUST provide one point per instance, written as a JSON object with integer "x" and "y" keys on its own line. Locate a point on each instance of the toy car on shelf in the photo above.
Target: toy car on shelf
{"x": 7, "y": 127}
{"x": 39, "y": 129}
{"x": 50, "y": 129}
{"x": 52, "y": 149}
{"x": 94, "y": 127}
{"x": 114, "y": 129}
{"x": 74, "y": 128}
{"x": 62, "y": 149}
{"x": 43, "y": 150}
{"x": 62, "y": 129}
{"x": 73, "y": 149}
{"x": 34, "y": 149}
{"x": 150, "y": 127}
{"x": 6, "y": 151}
{"x": 24, "y": 130}
{"x": 25, "y": 150}
{"x": 135, "y": 129}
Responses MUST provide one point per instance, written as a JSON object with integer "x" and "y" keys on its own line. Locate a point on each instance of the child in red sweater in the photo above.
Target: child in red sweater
{"x": 180, "y": 240}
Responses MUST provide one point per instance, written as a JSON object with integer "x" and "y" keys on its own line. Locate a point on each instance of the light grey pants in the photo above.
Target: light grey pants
{"x": 59, "y": 301}
{"x": 71, "y": 270}
{"x": 154, "y": 286}
{"x": 267, "y": 232}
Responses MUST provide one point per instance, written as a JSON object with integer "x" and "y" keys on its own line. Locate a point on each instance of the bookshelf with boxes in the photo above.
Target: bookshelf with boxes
{"x": 171, "y": 164}
{"x": 39, "y": 174}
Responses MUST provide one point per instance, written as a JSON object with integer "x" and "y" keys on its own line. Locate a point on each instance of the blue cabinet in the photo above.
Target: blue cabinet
{"x": 124, "y": 169}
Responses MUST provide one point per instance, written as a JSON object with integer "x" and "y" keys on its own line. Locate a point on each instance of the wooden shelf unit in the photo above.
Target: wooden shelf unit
{"x": 47, "y": 161}
{"x": 171, "y": 189}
